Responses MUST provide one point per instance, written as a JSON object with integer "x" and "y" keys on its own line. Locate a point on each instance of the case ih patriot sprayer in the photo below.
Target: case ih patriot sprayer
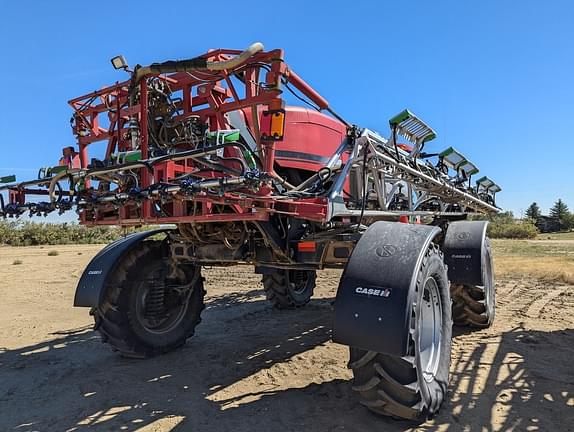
{"x": 208, "y": 150}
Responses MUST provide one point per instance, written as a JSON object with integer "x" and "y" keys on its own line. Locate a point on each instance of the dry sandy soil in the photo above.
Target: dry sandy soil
{"x": 250, "y": 368}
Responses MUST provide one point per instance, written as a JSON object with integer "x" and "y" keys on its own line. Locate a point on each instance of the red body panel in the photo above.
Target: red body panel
{"x": 310, "y": 139}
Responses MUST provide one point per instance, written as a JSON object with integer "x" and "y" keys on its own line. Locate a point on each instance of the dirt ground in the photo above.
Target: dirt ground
{"x": 250, "y": 368}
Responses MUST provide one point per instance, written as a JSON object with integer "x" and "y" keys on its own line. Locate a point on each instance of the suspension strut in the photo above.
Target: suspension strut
{"x": 155, "y": 299}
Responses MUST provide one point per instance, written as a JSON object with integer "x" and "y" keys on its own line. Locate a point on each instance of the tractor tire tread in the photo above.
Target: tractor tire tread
{"x": 113, "y": 322}
{"x": 468, "y": 308}
{"x": 277, "y": 292}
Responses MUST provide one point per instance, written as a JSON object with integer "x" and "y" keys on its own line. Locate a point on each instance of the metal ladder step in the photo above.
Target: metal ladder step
{"x": 487, "y": 185}
{"x": 412, "y": 128}
{"x": 456, "y": 161}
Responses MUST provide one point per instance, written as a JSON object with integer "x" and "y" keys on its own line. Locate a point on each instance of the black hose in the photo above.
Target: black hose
{"x": 190, "y": 153}
{"x": 364, "y": 200}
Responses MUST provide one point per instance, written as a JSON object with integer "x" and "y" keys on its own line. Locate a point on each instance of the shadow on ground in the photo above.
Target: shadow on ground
{"x": 72, "y": 382}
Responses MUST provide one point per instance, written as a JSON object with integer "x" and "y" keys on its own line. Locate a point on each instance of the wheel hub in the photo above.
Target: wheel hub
{"x": 298, "y": 280}
{"x": 159, "y": 307}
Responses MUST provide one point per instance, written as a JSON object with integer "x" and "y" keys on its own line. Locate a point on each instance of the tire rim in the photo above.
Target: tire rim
{"x": 298, "y": 281}
{"x": 430, "y": 329}
{"x": 173, "y": 312}
{"x": 489, "y": 288}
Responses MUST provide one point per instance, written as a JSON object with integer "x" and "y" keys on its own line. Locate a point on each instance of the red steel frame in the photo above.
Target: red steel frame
{"x": 207, "y": 95}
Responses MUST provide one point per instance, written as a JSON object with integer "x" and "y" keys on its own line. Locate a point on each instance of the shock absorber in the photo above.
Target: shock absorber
{"x": 155, "y": 299}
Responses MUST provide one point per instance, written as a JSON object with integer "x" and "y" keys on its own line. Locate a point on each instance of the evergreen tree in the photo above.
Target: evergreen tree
{"x": 559, "y": 211}
{"x": 569, "y": 222}
{"x": 533, "y": 212}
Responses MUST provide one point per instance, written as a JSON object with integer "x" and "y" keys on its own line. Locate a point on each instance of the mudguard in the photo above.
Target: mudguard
{"x": 464, "y": 251}
{"x": 93, "y": 281}
{"x": 373, "y": 307}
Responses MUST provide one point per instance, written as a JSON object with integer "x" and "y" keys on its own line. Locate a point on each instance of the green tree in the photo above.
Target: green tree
{"x": 559, "y": 211}
{"x": 533, "y": 212}
{"x": 502, "y": 217}
{"x": 569, "y": 221}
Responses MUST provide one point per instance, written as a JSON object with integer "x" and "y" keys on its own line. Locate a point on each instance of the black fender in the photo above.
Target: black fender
{"x": 374, "y": 301}
{"x": 91, "y": 286}
{"x": 465, "y": 251}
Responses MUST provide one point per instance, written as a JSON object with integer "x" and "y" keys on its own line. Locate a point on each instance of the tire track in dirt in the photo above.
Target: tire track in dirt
{"x": 521, "y": 299}
{"x": 535, "y": 299}
{"x": 549, "y": 298}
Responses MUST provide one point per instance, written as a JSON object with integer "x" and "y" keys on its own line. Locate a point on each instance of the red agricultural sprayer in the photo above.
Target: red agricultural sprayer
{"x": 208, "y": 150}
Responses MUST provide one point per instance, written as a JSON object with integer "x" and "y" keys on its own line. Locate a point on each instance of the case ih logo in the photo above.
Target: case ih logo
{"x": 373, "y": 292}
{"x": 95, "y": 272}
{"x": 386, "y": 250}
{"x": 461, "y": 256}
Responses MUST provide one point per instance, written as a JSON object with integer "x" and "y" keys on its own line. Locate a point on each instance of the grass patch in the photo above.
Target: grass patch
{"x": 547, "y": 261}
{"x": 533, "y": 248}
{"x": 556, "y": 236}
{"x": 17, "y": 262}
{"x": 19, "y": 233}
{"x": 53, "y": 253}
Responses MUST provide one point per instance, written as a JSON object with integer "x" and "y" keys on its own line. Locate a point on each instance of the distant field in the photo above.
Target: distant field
{"x": 548, "y": 259}
{"x": 556, "y": 236}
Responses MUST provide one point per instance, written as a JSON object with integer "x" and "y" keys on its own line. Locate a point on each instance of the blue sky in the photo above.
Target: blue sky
{"x": 494, "y": 78}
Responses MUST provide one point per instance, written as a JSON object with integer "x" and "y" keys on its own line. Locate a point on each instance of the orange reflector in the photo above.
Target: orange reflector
{"x": 307, "y": 246}
{"x": 277, "y": 124}
{"x": 272, "y": 125}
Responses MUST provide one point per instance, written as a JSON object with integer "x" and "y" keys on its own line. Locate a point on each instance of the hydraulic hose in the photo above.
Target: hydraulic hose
{"x": 196, "y": 63}
{"x": 54, "y": 183}
{"x": 236, "y": 61}
{"x": 149, "y": 163}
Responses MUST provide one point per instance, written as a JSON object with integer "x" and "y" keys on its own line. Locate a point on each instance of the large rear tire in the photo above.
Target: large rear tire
{"x": 289, "y": 289}
{"x": 150, "y": 308}
{"x": 412, "y": 387}
{"x": 475, "y": 306}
